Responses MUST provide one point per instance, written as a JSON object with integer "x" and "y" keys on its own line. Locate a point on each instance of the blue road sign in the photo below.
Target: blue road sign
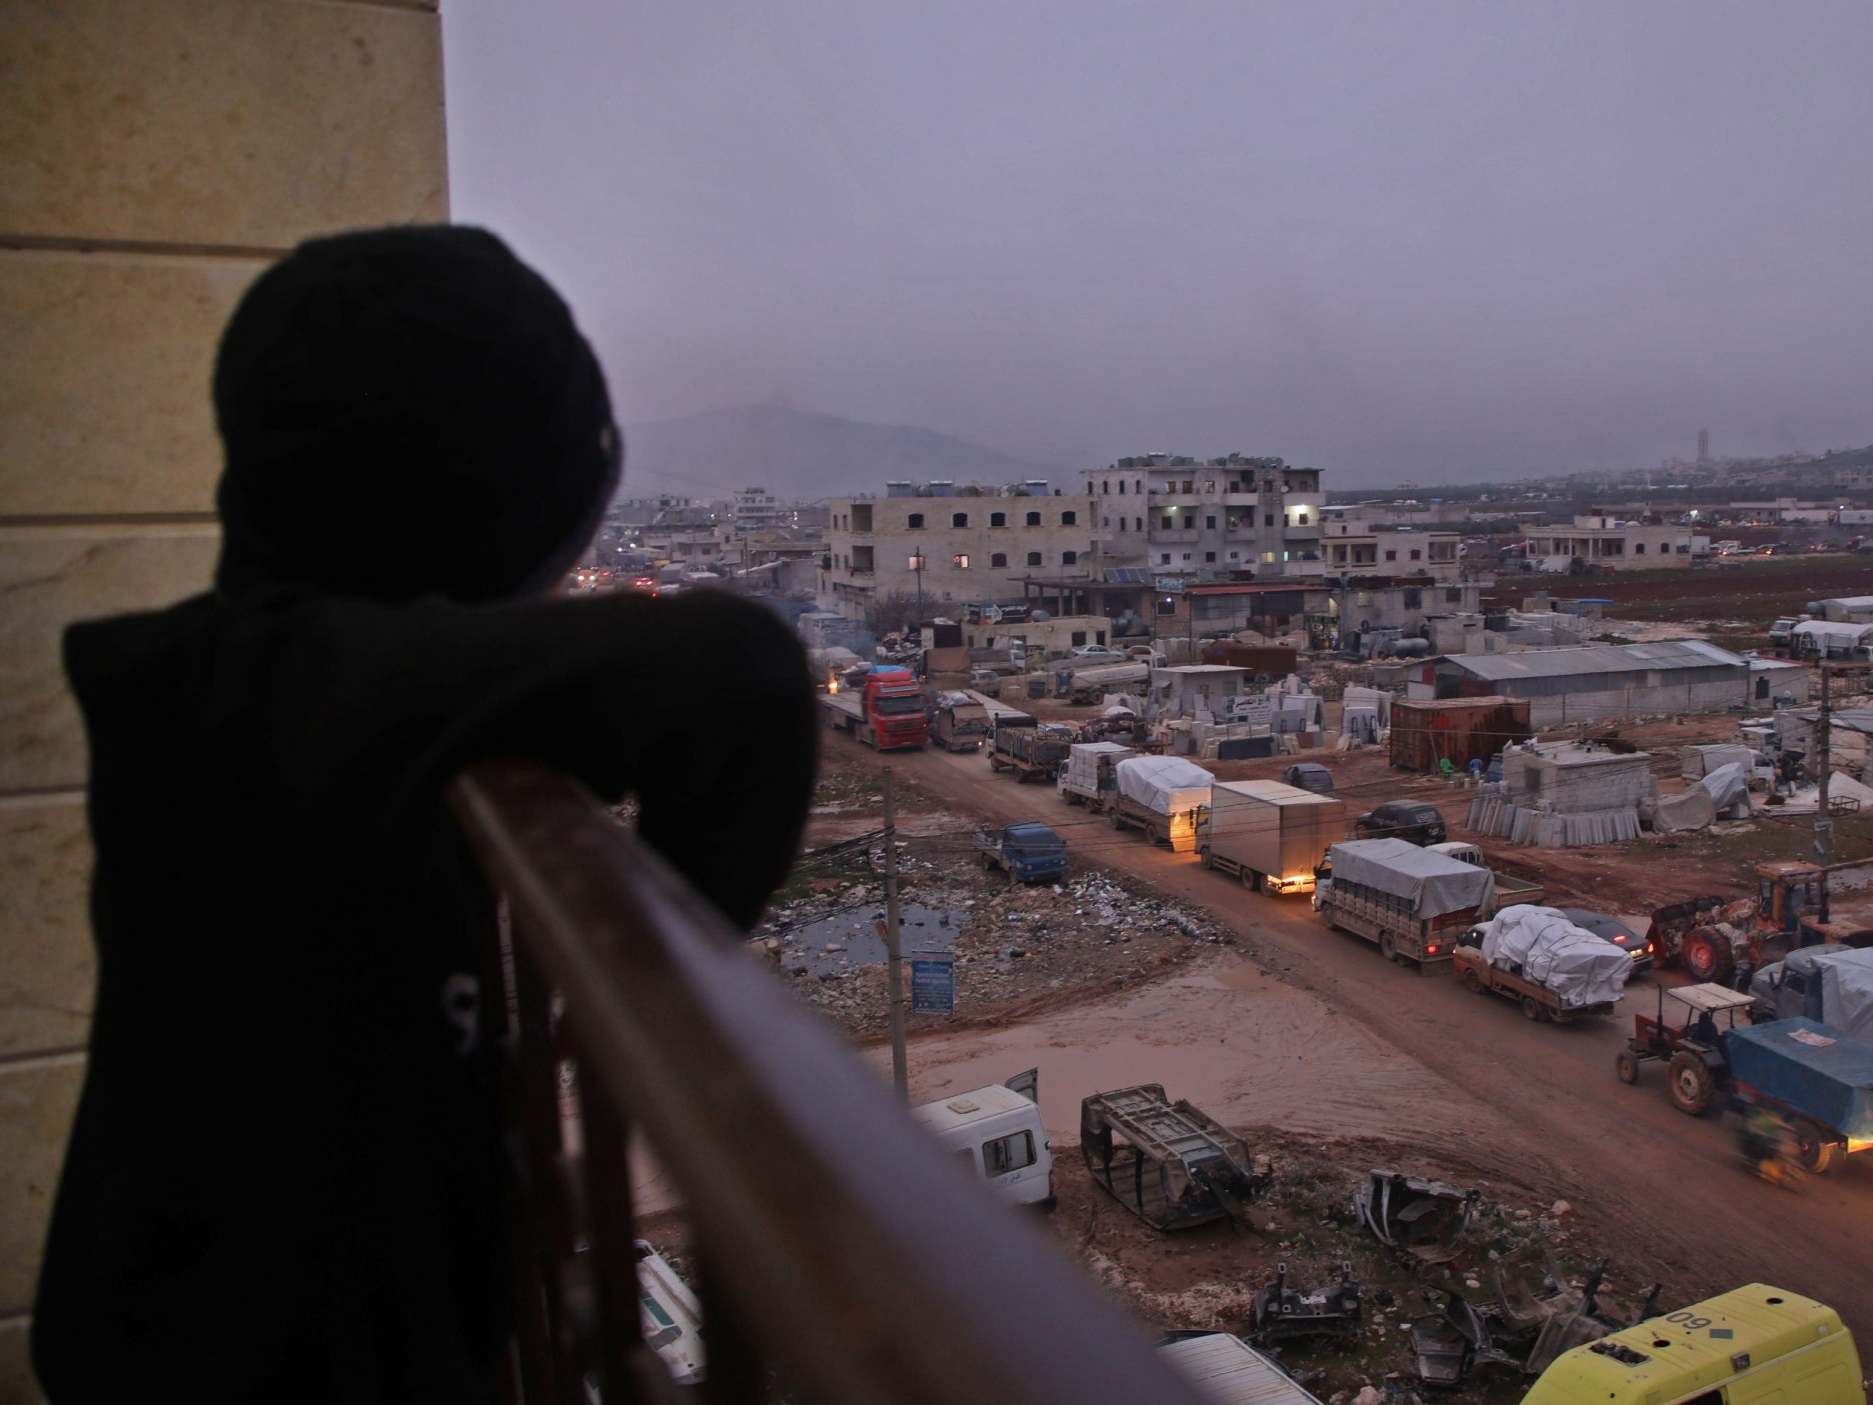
{"x": 932, "y": 983}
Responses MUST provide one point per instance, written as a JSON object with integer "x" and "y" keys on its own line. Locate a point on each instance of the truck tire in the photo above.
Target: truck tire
{"x": 1689, "y": 1084}
{"x": 1531, "y": 1009}
{"x": 1250, "y": 879}
{"x": 1204, "y": 856}
{"x": 1115, "y": 820}
{"x": 1473, "y": 980}
{"x": 1706, "y": 957}
{"x": 1388, "y": 948}
{"x": 1626, "y": 1066}
{"x": 1815, "y": 1150}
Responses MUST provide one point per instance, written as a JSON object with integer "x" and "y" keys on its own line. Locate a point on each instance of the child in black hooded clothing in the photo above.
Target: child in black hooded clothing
{"x": 283, "y": 1179}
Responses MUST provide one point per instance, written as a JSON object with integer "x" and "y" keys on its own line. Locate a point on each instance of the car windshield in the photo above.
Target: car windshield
{"x": 896, "y": 707}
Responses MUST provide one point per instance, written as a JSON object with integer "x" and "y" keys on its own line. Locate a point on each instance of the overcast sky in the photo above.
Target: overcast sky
{"x": 1406, "y": 240}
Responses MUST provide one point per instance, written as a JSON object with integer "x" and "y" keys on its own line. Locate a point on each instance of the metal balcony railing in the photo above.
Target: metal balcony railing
{"x": 841, "y": 1254}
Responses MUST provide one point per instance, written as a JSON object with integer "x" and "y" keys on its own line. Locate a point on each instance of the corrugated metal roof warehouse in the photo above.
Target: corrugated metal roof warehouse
{"x": 1594, "y": 681}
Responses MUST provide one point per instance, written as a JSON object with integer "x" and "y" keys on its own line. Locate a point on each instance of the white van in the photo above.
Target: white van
{"x": 1460, "y": 851}
{"x": 672, "y": 1322}
{"x": 997, "y": 1132}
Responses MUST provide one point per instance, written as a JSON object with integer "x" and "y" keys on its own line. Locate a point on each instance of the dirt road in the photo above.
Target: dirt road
{"x": 1540, "y": 1098}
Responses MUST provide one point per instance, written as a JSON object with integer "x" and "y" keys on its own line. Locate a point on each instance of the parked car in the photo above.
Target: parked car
{"x": 1612, "y": 929}
{"x": 1309, "y": 775}
{"x": 1410, "y": 820}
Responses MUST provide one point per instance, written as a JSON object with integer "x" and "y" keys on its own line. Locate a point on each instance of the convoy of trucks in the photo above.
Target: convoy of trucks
{"x": 1032, "y": 751}
{"x": 1089, "y": 777}
{"x": 1162, "y": 795}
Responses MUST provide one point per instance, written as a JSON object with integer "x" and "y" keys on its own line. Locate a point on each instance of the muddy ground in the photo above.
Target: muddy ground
{"x": 1754, "y": 590}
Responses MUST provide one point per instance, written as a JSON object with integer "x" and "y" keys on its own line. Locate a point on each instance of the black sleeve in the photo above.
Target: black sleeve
{"x": 701, "y": 707}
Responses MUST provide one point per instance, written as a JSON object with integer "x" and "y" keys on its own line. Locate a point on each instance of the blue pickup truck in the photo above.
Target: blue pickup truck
{"x": 1814, "y": 1076}
{"x": 1030, "y": 852}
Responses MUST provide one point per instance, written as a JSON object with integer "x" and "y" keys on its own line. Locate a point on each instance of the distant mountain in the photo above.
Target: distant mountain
{"x": 797, "y": 454}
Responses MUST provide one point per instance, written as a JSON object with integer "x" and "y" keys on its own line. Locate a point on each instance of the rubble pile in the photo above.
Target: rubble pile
{"x": 1012, "y": 943}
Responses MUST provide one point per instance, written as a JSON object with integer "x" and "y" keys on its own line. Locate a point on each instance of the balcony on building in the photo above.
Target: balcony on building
{"x": 861, "y": 517}
{"x": 627, "y": 1017}
{"x": 864, "y": 561}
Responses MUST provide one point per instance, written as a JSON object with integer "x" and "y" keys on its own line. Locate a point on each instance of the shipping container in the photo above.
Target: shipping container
{"x": 1460, "y": 730}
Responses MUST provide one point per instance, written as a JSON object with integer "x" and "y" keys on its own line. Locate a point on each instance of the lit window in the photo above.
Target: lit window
{"x": 960, "y": 560}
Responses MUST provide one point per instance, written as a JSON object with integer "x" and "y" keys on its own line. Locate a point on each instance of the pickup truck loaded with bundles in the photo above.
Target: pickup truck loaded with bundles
{"x": 1538, "y": 958}
{"x": 1413, "y": 902}
{"x": 1163, "y": 796}
{"x": 1271, "y": 836}
{"x": 1028, "y": 748}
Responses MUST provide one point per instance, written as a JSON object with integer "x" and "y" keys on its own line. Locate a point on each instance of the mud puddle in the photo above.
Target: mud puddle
{"x": 848, "y": 939}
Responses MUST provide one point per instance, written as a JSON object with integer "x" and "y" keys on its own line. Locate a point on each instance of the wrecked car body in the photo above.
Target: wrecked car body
{"x": 1281, "y": 1313}
{"x": 1169, "y": 1163}
{"x": 1426, "y": 1218}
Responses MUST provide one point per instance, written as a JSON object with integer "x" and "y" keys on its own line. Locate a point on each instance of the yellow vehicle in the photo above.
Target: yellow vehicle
{"x": 1752, "y": 1346}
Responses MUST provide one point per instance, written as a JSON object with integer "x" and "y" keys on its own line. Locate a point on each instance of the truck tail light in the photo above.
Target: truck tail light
{"x": 1431, "y": 950}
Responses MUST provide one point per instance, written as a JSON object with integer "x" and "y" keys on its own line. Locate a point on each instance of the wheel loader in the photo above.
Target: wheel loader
{"x": 1725, "y": 940}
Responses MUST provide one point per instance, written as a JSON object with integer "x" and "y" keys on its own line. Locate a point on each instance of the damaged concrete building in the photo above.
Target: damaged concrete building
{"x": 1557, "y": 795}
{"x": 1593, "y": 681}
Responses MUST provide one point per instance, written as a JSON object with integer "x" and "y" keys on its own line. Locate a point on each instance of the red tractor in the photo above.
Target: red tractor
{"x": 1691, "y": 1050}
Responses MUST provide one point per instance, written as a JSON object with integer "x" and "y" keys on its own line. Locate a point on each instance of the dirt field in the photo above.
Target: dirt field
{"x": 1360, "y": 1063}
{"x": 1753, "y": 590}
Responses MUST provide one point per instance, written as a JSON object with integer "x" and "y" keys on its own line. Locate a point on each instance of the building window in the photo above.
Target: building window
{"x": 1210, "y": 523}
{"x": 1189, "y": 486}
{"x": 1034, "y": 519}
{"x": 1079, "y": 637}
{"x": 1107, "y": 521}
{"x": 1009, "y": 1153}
{"x": 1268, "y": 519}
{"x": 1138, "y": 486}
{"x": 1209, "y": 556}
{"x": 1164, "y": 558}
{"x": 1235, "y": 556}
{"x": 1414, "y": 599}
{"x": 960, "y": 560}
{"x": 914, "y": 521}
{"x": 1416, "y": 554}
{"x": 1453, "y": 597}
{"x": 1105, "y": 485}
{"x": 1638, "y": 548}
{"x": 998, "y": 560}
{"x": 1391, "y": 556}
{"x": 1034, "y": 558}
{"x": 1069, "y": 558}
{"x": 1069, "y": 519}
{"x": 1138, "y": 524}
{"x": 998, "y": 519}
{"x": 1186, "y": 556}
{"x": 1300, "y": 519}
{"x": 959, "y": 519}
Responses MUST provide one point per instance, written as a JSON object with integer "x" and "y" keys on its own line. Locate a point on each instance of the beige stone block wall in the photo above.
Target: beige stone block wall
{"x": 104, "y": 379}
{"x": 159, "y": 153}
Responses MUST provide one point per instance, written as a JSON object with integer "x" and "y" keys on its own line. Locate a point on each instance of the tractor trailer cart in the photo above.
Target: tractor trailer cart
{"x": 1414, "y": 903}
{"x": 1269, "y": 835}
{"x": 884, "y": 708}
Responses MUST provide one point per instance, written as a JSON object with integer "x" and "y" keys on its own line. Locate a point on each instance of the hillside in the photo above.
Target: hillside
{"x": 798, "y": 454}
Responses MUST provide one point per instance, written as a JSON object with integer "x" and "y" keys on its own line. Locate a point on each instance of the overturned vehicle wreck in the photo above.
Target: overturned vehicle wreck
{"x": 1425, "y": 1218}
{"x": 1168, "y": 1163}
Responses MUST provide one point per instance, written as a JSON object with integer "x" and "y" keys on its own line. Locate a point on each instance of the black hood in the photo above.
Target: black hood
{"x": 408, "y": 412}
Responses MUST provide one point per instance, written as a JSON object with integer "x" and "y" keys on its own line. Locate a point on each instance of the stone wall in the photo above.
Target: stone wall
{"x": 158, "y": 154}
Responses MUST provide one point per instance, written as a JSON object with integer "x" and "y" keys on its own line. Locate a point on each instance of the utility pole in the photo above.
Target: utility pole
{"x": 893, "y": 945}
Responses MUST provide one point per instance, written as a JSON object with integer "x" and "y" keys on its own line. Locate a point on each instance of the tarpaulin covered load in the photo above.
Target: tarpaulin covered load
{"x": 1729, "y": 790}
{"x": 1431, "y": 884}
{"x": 1167, "y": 784}
{"x": 1814, "y": 1069}
{"x": 1832, "y": 984}
{"x": 1539, "y": 944}
{"x": 1457, "y": 730}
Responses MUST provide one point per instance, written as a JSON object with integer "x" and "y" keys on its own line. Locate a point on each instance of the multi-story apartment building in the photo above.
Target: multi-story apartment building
{"x": 1206, "y": 519}
{"x": 951, "y": 545}
{"x": 1355, "y": 548}
{"x": 757, "y": 510}
{"x": 1603, "y": 541}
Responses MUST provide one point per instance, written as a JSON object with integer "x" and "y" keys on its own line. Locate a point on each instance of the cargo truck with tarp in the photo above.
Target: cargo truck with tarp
{"x": 1538, "y": 958}
{"x": 1036, "y": 750}
{"x": 1414, "y": 903}
{"x": 1090, "y": 777}
{"x": 1832, "y": 984}
{"x": 1271, "y": 836}
{"x": 1163, "y": 796}
{"x": 1812, "y": 1076}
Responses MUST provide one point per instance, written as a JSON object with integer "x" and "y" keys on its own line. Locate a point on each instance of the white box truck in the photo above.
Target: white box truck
{"x": 1271, "y": 836}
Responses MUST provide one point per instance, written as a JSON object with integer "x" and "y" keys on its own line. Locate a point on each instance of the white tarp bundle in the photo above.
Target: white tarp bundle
{"x": 1167, "y": 784}
{"x": 1689, "y": 809}
{"x": 1729, "y": 790}
{"x": 1838, "y": 983}
{"x": 1540, "y": 945}
{"x": 1700, "y": 761}
{"x": 1432, "y": 883}
{"x": 1082, "y": 772}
